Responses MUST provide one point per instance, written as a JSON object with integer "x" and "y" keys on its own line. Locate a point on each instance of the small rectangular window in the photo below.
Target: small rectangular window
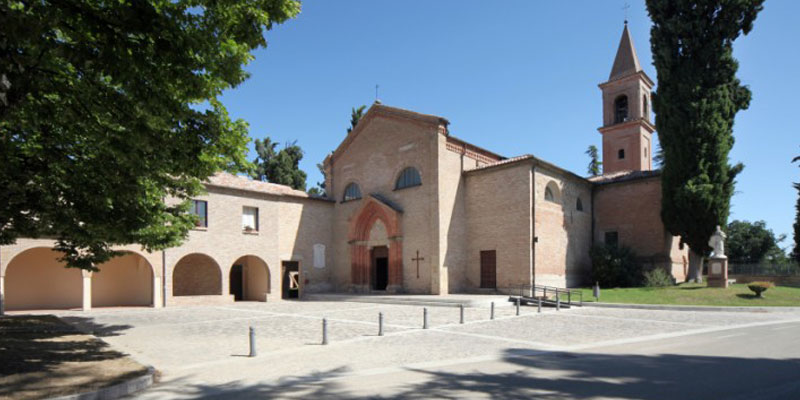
{"x": 200, "y": 209}
{"x": 250, "y": 219}
{"x": 612, "y": 239}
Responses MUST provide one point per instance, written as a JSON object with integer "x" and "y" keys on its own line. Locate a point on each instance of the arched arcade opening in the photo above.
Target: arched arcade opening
{"x": 249, "y": 279}
{"x": 126, "y": 280}
{"x": 196, "y": 275}
{"x": 36, "y": 279}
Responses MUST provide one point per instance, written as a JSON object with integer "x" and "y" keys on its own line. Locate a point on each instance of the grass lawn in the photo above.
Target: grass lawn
{"x": 699, "y": 295}
{"x": 42, "y": 357}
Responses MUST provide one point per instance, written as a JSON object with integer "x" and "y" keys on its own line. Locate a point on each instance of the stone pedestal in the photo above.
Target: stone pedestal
{"x": 718, "y": 272}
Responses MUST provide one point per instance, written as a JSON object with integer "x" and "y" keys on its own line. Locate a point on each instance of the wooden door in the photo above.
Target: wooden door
{"x": 489, "y": 269}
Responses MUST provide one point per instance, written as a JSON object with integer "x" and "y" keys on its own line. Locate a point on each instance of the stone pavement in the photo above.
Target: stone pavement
{"x": 201, "y": 351}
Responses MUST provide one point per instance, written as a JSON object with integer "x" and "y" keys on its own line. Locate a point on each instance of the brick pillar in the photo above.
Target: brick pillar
{"x": 87, "y": 290}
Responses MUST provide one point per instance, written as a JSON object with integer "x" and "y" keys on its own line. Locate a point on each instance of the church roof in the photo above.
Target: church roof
{"x": 622, "y": 176}
{"x": 525, "y": 158}
{"x": 626, "y": 62}
{"x": 230, "y": 181}
{"x": 380, "y": 109}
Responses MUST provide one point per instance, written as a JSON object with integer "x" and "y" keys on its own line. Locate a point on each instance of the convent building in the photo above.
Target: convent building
{"x": 411, "y": 208}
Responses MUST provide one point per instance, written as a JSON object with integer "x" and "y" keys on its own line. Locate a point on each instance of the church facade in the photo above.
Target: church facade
{"x": 411, "y": 208}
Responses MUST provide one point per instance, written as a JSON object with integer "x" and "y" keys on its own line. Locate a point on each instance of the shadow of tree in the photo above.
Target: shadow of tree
{"x": 546, "y": 376}
{"x": 88, "y": 325}
{"x": 38, "y": 343}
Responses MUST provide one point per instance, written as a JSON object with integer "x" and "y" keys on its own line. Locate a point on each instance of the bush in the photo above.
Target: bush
{"x": 759, "y": 287}
{"x": 615, "y": 267}
{"x": 657, "y": 277}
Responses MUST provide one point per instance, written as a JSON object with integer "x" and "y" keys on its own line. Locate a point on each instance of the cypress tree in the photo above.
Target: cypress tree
{"x": 696, "y": 102}
{"x": 796, "y": 250}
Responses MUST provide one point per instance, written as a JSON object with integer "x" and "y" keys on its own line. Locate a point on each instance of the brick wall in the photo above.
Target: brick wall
{"x": 563, "y": 232}
{"x": 633, "y": 210}
{"x": 499, "y": 210}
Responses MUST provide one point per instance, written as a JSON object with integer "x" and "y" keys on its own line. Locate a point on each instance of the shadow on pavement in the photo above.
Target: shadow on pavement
{"x": 552, "y": 376}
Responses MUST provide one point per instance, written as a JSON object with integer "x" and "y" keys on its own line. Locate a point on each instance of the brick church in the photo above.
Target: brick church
{"x": 411, "y": 208}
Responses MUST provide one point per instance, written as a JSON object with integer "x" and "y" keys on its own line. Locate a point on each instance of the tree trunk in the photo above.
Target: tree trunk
{"x": 695, "y": 267}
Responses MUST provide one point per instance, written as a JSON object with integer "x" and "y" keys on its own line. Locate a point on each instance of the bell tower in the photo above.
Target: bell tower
{"x": 627, "y": 130}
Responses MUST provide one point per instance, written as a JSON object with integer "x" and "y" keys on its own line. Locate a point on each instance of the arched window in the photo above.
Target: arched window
{"x": 621, "y": 109}
{"x": 579, "y": 205}
{"x": 645, "y": 108}
{"x": 352, "y": 192}
{"x": 621, "y": 154}
{"x": 551, "y": 192}
{"x": 408, "y": 178}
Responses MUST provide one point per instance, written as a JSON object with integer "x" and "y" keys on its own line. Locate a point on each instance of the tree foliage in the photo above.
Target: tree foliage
{"x": 615, "y": 266}
{"x": 697, "y": 99}
{"x": 355, "y": 116}
{"x": 752, "y": 242}
{"x": 279, "y": 166}
{"x": 319, "y": 190}
{"x": 595, "y": 165}
{"x": 109, "y": 107}
{"x": 796, "y": 226}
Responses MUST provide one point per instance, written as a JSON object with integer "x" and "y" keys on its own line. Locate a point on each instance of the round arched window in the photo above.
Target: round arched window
{"x": 351, "y": 192}
{"x": 408, "y": 177}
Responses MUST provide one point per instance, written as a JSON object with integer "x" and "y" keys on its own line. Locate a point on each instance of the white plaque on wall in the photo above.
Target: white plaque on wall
{"x": 319, "y": 255}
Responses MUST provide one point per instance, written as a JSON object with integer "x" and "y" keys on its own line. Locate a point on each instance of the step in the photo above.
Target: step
{"x": 414, "y": 300}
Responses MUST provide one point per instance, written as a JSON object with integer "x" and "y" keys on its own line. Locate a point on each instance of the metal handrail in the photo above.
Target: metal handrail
{"x": 532, "y": 290}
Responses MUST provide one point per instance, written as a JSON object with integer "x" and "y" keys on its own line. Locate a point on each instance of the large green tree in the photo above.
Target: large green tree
{"x": 107, "y": 108}
{"x": 696, "y": 102}
{"x": 752, "y": 242}
{"x": 279, "y": 166}
{"x": 796, "y": 250}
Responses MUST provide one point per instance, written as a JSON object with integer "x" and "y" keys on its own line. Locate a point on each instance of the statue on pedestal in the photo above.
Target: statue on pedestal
{"x": 717, "y": 242}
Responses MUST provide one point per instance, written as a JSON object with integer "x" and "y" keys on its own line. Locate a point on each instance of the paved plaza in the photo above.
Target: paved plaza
{"x": 202, "y": 351}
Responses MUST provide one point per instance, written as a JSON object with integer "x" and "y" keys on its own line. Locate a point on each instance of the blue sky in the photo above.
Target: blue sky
{"x": 512, "y": 76}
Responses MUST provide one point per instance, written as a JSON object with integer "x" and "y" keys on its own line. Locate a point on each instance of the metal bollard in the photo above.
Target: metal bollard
{"x": 518, "y": 300}
{"x": 380, "y": 324}
{"x": 539, "y": 306}
{"x": 461, "y": 306}
{"x": 491, "y": 314}
{"x": 324, "y": 331}
{"x": 252, "y": 342}
{"x": 425, "y": 318}
{"x": 558, "y": 302}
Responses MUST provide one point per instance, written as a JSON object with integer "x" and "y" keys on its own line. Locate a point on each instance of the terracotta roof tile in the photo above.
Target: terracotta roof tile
{"x": 226, "y": 180}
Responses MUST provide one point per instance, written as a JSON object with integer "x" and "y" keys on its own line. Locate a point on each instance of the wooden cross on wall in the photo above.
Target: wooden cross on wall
{"x": 418, "y": 259}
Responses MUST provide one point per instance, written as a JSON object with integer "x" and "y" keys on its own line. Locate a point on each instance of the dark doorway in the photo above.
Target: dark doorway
{"x": 291, "y": 280}
{"x": 380, "y": 268}
{"x": 236, "y": 282}
{"x": 488, "y": 269}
